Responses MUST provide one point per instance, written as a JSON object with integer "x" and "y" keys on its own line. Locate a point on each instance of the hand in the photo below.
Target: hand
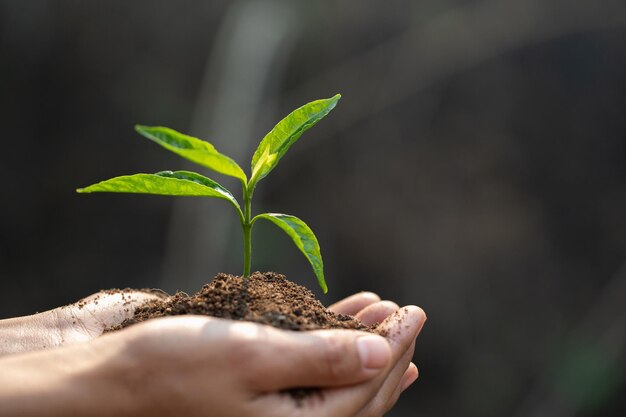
{"x": 369, "y": 309}
{"x": 74, "y": 323}
{"x": 205, "y": 365}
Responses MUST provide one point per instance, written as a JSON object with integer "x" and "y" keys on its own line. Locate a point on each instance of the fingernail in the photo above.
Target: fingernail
{"x": 374, "y": 351}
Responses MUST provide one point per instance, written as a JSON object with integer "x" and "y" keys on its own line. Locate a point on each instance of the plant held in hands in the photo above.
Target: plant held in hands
{"x": 184, "y": 183}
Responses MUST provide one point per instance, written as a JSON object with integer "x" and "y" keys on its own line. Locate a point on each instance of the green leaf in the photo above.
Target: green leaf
{"x": 304, "y": 239}
{"x": 193, "y": 149}
{"x": 286, "y": 133}
{"x": 181, "y": 183}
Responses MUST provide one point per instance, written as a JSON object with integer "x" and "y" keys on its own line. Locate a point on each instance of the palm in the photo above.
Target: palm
{"x": 89, "y": 317}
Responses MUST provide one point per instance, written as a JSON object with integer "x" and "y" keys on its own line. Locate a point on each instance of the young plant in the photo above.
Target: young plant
{"x": 184, "y": 183}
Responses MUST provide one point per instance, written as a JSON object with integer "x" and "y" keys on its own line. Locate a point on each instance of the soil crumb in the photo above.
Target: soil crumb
{"x": 266, "y": 298}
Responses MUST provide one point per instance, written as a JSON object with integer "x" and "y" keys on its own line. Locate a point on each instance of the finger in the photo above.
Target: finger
{"x": 401, "y": 328}
{"x": 265, "y": 359}
{"x": 355, "y": 303}
{"x": 272, "y": 359}
{"x": 386, "y": 396}
{"x": 377, "y": 312}
{"x": 409, "y": 377}
{"x": 383, "y": 401}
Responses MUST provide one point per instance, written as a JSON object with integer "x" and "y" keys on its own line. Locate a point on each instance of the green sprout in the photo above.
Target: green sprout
{"x": 184, "y": 183}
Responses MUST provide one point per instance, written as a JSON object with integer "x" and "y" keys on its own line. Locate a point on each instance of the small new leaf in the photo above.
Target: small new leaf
{"x": 286, "y": 133}
{"x": 193, "y": 149}
{"x": 179, "y": 183}
{"x": 304, "y": 239}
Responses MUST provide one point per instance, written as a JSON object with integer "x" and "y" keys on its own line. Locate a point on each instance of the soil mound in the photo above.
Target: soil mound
{"x": 266, "y": 298}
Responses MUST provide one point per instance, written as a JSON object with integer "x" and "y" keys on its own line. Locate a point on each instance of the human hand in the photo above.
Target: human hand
{"x": 370, "y": 310}
{"x": 209, "y": 366}
{"x": 77, "y": 322}
{"x": 243, "y": 369}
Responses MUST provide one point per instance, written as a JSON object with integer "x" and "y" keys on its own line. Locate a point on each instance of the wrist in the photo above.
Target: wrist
{"x": 81, "y": 380}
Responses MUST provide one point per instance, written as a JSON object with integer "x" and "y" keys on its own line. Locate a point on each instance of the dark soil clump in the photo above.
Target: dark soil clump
{"x": 266, "y": 298}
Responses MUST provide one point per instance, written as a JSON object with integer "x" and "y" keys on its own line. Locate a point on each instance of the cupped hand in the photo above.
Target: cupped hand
{"x": 209, "y": 366}
{"x": 232, "y": 368}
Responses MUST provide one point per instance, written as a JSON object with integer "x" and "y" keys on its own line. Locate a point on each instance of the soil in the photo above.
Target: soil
{"x": 266, "y": 298}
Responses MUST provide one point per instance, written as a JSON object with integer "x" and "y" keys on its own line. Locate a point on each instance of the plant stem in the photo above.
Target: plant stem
{"x": 246, "y": 226}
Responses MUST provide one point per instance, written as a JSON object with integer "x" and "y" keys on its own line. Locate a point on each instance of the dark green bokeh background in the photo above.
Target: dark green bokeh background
{"x": 476, "y": 166}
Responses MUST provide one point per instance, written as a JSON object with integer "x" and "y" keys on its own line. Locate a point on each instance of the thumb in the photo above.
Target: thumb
{"x": 322, "y": 358}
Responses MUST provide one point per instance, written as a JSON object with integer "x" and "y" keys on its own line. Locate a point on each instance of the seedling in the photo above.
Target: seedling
{"x": 184, "y": 183}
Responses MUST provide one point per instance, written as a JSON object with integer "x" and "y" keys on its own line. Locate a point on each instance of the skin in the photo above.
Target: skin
{"x": 203, "y": 366}
{"x": 75, "y": 323}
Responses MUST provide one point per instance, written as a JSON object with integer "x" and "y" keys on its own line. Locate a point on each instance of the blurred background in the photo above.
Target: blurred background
{"x": 476, "y": 166}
